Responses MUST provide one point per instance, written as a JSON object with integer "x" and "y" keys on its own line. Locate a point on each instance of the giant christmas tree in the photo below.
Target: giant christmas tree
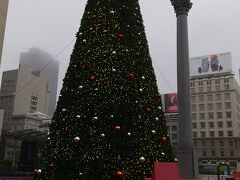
{"x": 109, "y": 123}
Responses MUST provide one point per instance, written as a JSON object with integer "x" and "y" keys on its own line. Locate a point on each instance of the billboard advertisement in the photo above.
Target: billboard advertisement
{"x": 210, "y": 64}
{"x": 171, "y": 103}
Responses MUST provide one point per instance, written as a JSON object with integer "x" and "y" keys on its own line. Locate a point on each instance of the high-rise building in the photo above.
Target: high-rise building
{"x": 1, "y": 121}
{"x": 38, "y": 60}
{"x": 3, "y": 18}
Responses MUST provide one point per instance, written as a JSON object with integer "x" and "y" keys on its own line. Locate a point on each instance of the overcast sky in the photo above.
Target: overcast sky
{"x": 51, "y": 24}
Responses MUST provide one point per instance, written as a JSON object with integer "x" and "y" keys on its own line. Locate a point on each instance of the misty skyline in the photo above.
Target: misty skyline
{"x": 51, "y": 25}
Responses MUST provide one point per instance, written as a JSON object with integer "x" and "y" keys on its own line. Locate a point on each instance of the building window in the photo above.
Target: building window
{"x": 201, "y": 98}
{"x": 221, "y": 143}
{"x": 220, "y": 124}
{"x": 210, "y": 106}
{"x": 193, "y": 99}
{"x": 204, "y": 153}
{"x": 203, "y": 143}
{"x": 231, "y": 153}
{"x": 229, "y": 124}
{"x": 200, "y": 89}
{"x": 203, "y": 134}
{"x": 228, "y": 114}
{"x": 194, "y": 116}
{"x": 194, "y": 134}
{"x": 193, "y": 107}
{"x": 210, "y": 115}
{"x": 174, "y": 127}
{"x": 226, "y": 80}
{"x": 201, "y": 107}
{"x": 217, "y": 87}
{"x": 211, "y": 133}
{"x": 202, "y": 125}
{"x": 218, "y": 106}
{"x": 192, "y": 84}
{"x": 218, "y": 97}
{"x": 220, "y": 133}
{"x": 227, "y": 105}
{"x": 212, "y": 143}
{"x": 200, "y": 83}
{"x": 213, "y": 153}
{"x": 230, "y": 133}
{"x": 195, "y": 143}
{"x": 168, "y": 128}
{"x": 230, "y": 143}
{"x": 209, "y": 82}
{"x": 202, "y": 115}
{"x": 227, "y": 96}
{"x": 209, "y": 88}
{"x": 219, "y": 115}
{"x": 211, "y": 124}
{"x": 210, "y": 97}
{"x": 194, "y": 124}
{"x": 192, "y": 90}
{"x": 174, "y": 136}
{"x": 226, "y": 87}
{"x": 217, "y": 81}
{"x": 222, "y": 153}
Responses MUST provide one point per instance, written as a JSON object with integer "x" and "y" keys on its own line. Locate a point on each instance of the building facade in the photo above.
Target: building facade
{"x": 23, "y": 91}
{"x": 3, "y": 18}
{"x": 216, "y": 119}
{"x": 38, "y": 60}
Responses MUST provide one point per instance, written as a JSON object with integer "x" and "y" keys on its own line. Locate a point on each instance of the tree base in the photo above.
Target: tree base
{"x": 166, "y": 170}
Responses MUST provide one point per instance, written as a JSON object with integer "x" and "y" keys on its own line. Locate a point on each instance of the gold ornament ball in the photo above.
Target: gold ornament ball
{"x": 142, "y": 159}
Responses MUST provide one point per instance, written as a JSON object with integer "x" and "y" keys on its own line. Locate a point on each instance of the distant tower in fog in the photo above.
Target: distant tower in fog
{"x": 3, "y": 18}
{"x": 37, "y": 59}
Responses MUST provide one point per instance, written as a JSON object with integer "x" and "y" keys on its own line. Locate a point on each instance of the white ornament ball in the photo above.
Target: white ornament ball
{"x": 129, "y": 134}
{"x": 39, "y": 171}
{"x": 102, "y": 135}
{"x": 76, "y": 139}
{"x": 141, "y": 90}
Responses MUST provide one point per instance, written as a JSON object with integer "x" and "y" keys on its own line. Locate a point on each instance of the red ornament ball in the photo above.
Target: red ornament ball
{"x": 52, "y": 165}
{"x": 164, "y": 139}
{"x": 120, "y": 36}
{"x": 117, "y": 127}
{"x": 131, "y": 75}
{"x": 92, "y": 78}
{"x": 148, "y": 109}
{"x": 119, "y": 174}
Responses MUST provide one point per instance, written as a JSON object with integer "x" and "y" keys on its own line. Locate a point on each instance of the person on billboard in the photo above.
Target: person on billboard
{"x": 214, "y": 63}
{"x": 171, "y": 103}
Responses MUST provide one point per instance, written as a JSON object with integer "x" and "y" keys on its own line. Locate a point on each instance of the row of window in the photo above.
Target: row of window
{"x": 214, "y": 143}
{"x": 210, "y": 115}
{"x": 203, "y": 134}
{"x": 211, "y": 97}
{"x": 209, "y": 82}
{"x": 220, "y": 153}
{"x": 218, "y": 124}
{"x": 210, "y": 88}
{"x": 210, "y": 106}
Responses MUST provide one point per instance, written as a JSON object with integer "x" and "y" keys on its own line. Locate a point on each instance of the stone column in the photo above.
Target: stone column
{"x": 185, "y": 152}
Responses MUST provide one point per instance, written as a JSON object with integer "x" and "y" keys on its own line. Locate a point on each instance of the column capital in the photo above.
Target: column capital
{"x": 181, "y": 6}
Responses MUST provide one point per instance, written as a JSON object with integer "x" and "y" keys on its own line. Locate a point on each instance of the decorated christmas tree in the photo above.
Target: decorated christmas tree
{"x": 109, "y": 122}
